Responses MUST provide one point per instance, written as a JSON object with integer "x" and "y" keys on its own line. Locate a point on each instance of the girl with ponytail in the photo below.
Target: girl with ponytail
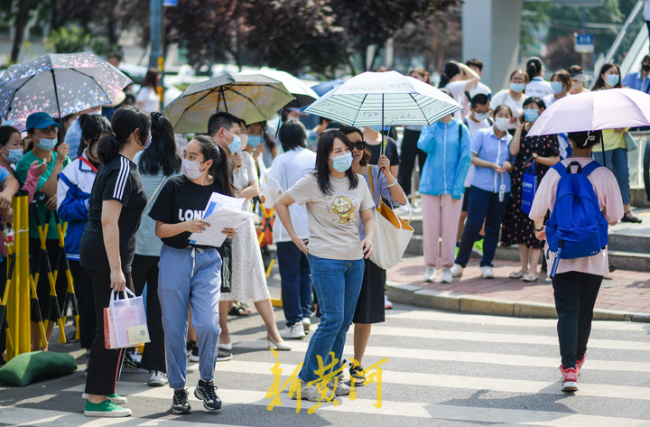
{"x": 108, "y": 243}
{"x": 537, "y": 86}
{"x": 191, "y": 274}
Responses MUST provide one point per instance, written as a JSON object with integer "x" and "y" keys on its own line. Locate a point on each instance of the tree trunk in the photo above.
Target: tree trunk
{"x": 20, "y": 23}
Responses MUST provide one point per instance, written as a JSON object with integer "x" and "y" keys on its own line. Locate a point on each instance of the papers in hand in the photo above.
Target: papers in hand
{"x": 221, "y": 212}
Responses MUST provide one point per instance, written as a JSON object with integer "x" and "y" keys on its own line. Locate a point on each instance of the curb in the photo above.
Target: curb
{"x": 449, "y": 301}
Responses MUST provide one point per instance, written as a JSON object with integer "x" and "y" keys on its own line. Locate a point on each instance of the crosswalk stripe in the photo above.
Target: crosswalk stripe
{"x": 414, "y": 409}
{"x": 487, "y": 358}
{"x": 478, "y": 319}
{"x": 31, "y": 416}
{"x": 422, "y": 333}
{"x": 427, "y": 380}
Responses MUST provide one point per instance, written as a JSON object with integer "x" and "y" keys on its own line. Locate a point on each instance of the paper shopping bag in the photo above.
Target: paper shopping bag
{"x": 125, "y": 323}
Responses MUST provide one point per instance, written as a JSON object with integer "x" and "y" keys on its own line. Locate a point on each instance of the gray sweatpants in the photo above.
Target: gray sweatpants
{"x": 189, "y": 276}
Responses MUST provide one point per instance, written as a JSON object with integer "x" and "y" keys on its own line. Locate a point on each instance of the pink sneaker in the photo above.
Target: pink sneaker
{"x": 580, "y": 362}
{"x": 569, "y": 379}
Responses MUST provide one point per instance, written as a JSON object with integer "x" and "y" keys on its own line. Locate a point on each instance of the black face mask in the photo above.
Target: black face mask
{"x": 645, "y": 67}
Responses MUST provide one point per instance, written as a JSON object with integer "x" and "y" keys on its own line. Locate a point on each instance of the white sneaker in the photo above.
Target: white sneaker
{"x": 447, "y": 277}
{"x": 456, "y": 270}
{"x": 306, "y": 324}
{"x": 429, "y": 274}
{"x": 296, "y": 331}
{"x": 158, "y": 379}
{"x": 486, "y": 272}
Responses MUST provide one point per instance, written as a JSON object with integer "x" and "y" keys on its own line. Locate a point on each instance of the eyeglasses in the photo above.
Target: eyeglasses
{"x": 359, "y": 145}
{"x": 49, "y": 130}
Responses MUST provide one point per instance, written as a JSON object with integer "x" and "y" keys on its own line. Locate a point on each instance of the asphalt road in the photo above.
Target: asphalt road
{"x": 441, "y": 369}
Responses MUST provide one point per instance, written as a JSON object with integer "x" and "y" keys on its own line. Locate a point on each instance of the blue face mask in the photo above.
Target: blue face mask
{"x": 235, "y": 145}
{"x": 517, "y": 87}
{"x": 613, "y": 79}
{"x": 531, "y": 115}
{"x": 46, "y": 144}
{"x": 148, "y": 143}
{"x": 557, "y": 87}
{"x": 15, "y": 154}
{"x": 342, "y": 163}
{"x": 376, "y": 128}
{"x": 254, "y": 140}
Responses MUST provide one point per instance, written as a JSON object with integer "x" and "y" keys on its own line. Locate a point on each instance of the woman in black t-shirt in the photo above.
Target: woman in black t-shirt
{"x": 108, "y": 244}
{"x": 189, "y": 274}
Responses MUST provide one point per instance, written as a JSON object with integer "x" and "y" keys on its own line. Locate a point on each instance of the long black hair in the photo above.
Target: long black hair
{"x": 93, "y": 128}
{"x": 220, "y": 169}
{"x": 125, "y": 121}
{"x": 600, "y": 83}
{"x": 450, "y": 70}
{"x": 162, "y": 152}
{"x": 322, "y": 171}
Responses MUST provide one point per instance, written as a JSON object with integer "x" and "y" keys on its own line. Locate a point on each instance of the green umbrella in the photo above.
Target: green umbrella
{"x": 253, "y": 98}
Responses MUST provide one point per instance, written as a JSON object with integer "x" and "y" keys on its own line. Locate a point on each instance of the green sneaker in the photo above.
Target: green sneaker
{"x": 478, "y": 247}
{"x": 106, "y": 409}
{"x": 115, "y": 398}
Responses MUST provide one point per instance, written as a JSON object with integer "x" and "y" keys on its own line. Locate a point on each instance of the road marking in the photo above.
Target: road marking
{"x": 478, "y": 319}
{"x": 422, "y": 333}
{"x": 407, "y": 409}
{"x": 420, "y": 379}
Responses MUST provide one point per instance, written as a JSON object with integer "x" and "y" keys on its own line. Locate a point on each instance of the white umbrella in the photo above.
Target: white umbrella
{"x": 304, "y": 94}
{"x": 378, "y": 98}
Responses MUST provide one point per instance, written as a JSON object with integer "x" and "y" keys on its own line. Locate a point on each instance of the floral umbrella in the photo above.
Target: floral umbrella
{"x": 59, "y": 84}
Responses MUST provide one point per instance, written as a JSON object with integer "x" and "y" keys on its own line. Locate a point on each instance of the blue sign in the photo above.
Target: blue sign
{"x": 584, "y": 43}
{"x": 170, "y": 3}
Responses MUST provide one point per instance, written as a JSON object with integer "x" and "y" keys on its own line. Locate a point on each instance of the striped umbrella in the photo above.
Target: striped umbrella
{"x": 379, "y": 98}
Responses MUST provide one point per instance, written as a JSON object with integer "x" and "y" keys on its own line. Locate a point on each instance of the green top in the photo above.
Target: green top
{"x": 22, "y": 168}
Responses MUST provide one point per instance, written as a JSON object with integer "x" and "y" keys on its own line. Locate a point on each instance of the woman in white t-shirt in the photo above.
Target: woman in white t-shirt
{"x": 513, "y": 97}
{"x": 335, "y": 198}
{"x": 147, "y": 98}
{"x": 458, "y": 78}
{"x": 536, "y": 86}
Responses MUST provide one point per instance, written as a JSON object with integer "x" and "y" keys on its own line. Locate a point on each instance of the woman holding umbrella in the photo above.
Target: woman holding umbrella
{"x": 335, "y": 201}
{"x": 615, "y": 154}
{"x": 577, "y": 281}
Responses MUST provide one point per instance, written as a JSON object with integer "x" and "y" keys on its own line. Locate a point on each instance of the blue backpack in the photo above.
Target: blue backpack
{"x": 577, "y": 227}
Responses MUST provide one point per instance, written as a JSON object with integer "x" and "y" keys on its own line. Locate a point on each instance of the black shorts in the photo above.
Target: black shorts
{"x": 466, "y": 199}
{"x": 370, "y": 305}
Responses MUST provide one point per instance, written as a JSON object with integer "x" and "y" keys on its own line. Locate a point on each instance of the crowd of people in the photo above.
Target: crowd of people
{"x": 132, "y": 194}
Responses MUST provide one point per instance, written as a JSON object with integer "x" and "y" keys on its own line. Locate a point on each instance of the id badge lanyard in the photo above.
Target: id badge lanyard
{"x": 502, "y": 187}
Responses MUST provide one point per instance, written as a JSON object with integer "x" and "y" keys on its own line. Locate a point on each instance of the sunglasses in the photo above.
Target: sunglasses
{"x": 359, "y": 145}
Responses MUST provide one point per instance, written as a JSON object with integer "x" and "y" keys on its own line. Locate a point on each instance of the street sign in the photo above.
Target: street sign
{"x": 584, "y": 43}
{"x": 170, "y": 3}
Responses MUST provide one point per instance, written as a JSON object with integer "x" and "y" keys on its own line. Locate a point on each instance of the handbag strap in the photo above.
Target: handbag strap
{"x": 90, "y": 165}
{"x": 155, "y": 193}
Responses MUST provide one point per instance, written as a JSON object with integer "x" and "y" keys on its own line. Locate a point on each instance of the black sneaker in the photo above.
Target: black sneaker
{"x": 132, "y": 363}
{"x": 207, "y": 392}
{"x": 223, "y": 355}
{"x": 181, "y": 404}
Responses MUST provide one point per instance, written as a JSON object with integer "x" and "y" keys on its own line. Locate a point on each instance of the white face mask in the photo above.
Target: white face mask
{"x": 502, "y": 123}
{"x": 191, "y": 169}
{"x": 481, "y": 116}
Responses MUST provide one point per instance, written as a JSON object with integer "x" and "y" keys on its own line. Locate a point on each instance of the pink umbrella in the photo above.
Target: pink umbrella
{"x": 597, "y": 110}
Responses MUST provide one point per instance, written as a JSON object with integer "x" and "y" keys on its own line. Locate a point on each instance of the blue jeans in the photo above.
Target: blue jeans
{"x": 337, "y": 284}
{"x": 189, "y": 277}
{"x": 482, "y": 206}
{"x": 296, "y": 282}
{"x": 617, "y": 163}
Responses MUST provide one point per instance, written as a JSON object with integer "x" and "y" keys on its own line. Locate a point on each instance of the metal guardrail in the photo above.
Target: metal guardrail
{"x": 635, "y": 159}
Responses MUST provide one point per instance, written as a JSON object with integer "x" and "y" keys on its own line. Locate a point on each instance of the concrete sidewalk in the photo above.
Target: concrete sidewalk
{"x": 625, "y": 295}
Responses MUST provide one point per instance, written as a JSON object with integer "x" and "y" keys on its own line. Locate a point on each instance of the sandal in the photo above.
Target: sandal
{"x": 529, "y": 278}
{"x": 356, "y": 375}
{"x": 631, "y": 218}
{"x": 239, "y": 309}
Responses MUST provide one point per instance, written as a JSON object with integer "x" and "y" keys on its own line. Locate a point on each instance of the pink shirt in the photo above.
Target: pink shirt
{"x": 609, "y": 200}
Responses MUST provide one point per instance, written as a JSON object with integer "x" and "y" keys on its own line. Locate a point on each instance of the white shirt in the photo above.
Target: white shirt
{"x": 457, "y": 89}
{"x": 646, "y": 10}
{"x": 149, "y": 99}
{"x": 286, "y": 170}
{"x": 538, "y": 87}
{"x": 517, "y": 107}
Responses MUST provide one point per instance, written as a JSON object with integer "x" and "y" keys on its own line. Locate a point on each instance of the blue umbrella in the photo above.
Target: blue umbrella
{"x": 324, "y": 87}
